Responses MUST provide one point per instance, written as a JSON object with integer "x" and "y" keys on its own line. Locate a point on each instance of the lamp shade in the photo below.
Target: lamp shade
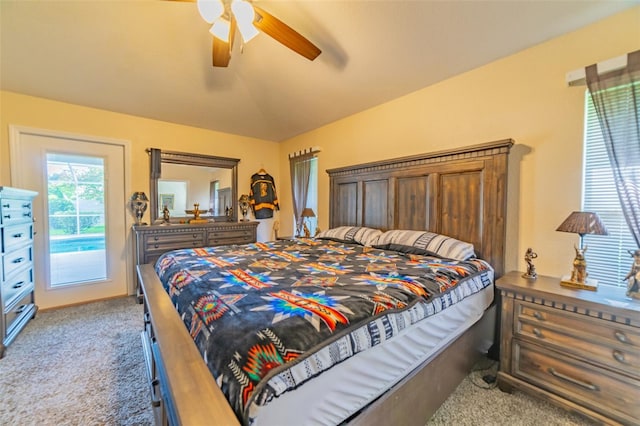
{"x": 583, "y": 223}
{"x": 307, "y": 212}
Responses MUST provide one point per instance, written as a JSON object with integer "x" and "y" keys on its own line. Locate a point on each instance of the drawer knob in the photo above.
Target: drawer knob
{"x": 18, "y": 284}
{"x": 27, "y": 214}
{"x": 156, "y": 246}
{"x": 26, "y": 206}
{"x": 586, "y": 385}
{"x": 7, "y": 216}
{"x": 621, "y": 336}
{"x": 155, "y": 238}
{"x": 20, "y": 309}
{"x": 17, "y": 235}
{"x": 6, "y": 206}
{"x": 538, "y": 333}
{"x": 538, "y": 316}
{"x": 18, "y": 260}
{"x": 619, "y": 356}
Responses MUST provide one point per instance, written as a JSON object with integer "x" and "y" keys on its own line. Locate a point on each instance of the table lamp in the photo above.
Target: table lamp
{"x": 581, "y": 223}
{"x": 307, "y": 213}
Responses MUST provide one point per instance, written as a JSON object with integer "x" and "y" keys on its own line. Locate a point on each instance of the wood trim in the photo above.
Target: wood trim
{"x": 463, "y": 153}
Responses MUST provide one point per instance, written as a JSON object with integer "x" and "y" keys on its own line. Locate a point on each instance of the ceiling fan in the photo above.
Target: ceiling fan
{"x": 229, "y": 15}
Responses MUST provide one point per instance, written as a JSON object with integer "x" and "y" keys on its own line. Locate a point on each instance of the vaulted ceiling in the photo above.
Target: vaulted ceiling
{"x": 152, "y": 58}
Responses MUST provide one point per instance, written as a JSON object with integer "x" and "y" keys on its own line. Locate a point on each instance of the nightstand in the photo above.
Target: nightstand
{"x": 578, "y": 349}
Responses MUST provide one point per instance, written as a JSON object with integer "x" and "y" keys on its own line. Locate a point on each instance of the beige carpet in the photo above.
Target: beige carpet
{"x": 84, "y": 366}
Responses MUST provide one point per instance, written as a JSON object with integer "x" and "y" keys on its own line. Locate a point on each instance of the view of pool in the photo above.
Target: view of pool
{"x": 76, "y": 243}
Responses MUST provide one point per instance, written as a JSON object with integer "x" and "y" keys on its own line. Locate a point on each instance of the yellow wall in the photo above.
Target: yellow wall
{"x": 524, "y": 97}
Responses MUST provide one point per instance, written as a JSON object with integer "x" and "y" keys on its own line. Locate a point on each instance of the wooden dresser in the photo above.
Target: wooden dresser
{"x": 579, "y": 349}
{"x": 16, "y": 277}
{"x": 151, "y": 241}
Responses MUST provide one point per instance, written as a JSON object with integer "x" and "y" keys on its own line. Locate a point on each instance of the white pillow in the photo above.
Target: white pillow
{"x": 351, "y": 234}
{"x": 423, "y": 242}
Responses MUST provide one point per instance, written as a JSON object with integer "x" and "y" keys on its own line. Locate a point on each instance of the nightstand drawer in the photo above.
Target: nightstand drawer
{"x": 593, "y": 387}
{"x": 609, "y": 344}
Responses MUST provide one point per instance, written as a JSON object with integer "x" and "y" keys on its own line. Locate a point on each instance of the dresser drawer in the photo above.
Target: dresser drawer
{"x": 16, "y": 235}
{"x": 584, "y": 383}
{"x": 19, "y": 284}
{"x": 605, "y": 342}
{"x": 241, "y": 236}
{"x": 12, "y": 316}
{"x": 14, "y": 211}
{"x": 165, "y": 242}
{"x": 16, "y": 260}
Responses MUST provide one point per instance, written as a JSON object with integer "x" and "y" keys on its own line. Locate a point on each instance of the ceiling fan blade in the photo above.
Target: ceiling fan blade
{"x": 222, "y": 50}
{"x": 284, "y": 34}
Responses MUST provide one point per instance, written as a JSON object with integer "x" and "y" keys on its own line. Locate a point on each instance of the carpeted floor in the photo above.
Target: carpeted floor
{"x": 83, "y": 365}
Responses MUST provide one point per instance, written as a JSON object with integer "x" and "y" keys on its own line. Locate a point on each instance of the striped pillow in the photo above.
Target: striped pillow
{"x": 351, "y": 234}
{"x": 422, "y": 242}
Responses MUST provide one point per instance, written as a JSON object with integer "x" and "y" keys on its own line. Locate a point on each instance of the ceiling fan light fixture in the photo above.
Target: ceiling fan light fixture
{"x": 210, "y": 10}
{"x": 221, "y": 29}
{"x": 244, "y": 14}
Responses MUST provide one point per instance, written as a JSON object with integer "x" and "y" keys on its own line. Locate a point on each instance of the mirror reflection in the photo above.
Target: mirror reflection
{"x": 178, "y": 180}
{"x": 181, "y": 186}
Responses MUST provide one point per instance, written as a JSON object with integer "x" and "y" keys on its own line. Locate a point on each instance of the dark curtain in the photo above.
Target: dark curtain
{"x": 300, "y": 168}
{"x": 619, "y": 115}
{"x": 156, "y": 163}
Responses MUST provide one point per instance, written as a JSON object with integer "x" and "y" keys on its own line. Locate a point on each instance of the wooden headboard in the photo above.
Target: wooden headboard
{"x": 460, "y": 192}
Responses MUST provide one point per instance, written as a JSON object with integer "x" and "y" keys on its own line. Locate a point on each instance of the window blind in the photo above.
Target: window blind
{"x": 607, "y": 258}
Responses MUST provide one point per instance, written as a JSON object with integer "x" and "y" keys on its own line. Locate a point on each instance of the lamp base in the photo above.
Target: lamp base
{"x": 588, "y": 284}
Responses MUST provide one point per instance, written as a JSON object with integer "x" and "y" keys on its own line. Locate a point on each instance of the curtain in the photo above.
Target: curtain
{"x": 156, "y": 163}
{"x": 300, "y": 168}
{"x": 619, "y": 115}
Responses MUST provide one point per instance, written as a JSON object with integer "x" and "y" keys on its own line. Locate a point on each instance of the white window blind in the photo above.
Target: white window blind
{"x": 607, "y": 258}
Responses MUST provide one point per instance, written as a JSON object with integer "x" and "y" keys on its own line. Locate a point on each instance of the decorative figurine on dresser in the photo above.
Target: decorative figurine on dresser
{"x": 531, "y": 273}
{"x": 633, "y": 277}
{"x": 16, "y": 280}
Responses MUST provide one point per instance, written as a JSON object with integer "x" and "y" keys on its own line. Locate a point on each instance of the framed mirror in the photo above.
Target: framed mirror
{"x": 178, "y": 180}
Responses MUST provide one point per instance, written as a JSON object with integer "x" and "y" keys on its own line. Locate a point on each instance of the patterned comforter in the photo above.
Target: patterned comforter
{"x": 266, "y": 317}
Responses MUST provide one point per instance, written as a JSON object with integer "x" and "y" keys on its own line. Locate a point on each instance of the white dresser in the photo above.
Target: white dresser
{"x": 16, "y": 278}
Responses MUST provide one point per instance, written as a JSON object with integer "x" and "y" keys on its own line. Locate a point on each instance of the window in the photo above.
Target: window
{"x": 76, "y": 197}
{"x": 607, "y": 257}
{"x": 312, "y": 196}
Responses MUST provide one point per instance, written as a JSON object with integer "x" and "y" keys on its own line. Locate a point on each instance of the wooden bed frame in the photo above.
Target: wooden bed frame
{"x": 459, "y": 192}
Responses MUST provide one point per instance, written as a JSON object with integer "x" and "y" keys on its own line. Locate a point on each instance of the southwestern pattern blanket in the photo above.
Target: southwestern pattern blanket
{"x": 266, "y": 317}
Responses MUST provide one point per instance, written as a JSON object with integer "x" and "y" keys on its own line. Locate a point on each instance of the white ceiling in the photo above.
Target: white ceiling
{"x": 152, "y": 58}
